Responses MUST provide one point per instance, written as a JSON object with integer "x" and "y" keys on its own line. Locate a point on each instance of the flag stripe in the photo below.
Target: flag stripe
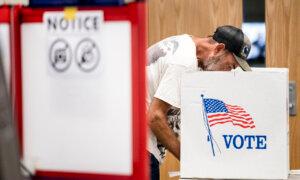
{"x": 233, "y": 121}
{"x": 232, "y": 108}
{"x": 238, "y": 111}
{"x": 245, "y": 117}
{"x": 230, "y": 115}
{"x": 235, "y": 108}
{"x": 232, "y": 105}
{"x": 239, "y": 114}
{"x": 227, "y": 118}
{"x": 236, "y": 124}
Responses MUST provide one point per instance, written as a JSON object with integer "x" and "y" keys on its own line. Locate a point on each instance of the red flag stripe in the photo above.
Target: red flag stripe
{"x": 235, "y": 124}
{"x": 234, "y": 121}
{"x": 232, "y": 114}
{"x": 246, "y": 118}
{"x": 239, "y": 113}
{"x": 235, "y": 109}
{"x": 237, "y": 120}
{"x": 232, "y": 105}
{"x": 222, "y": 118}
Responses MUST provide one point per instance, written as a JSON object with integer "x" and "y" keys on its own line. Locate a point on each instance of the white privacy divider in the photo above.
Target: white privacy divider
{"x": 235, "y": 125}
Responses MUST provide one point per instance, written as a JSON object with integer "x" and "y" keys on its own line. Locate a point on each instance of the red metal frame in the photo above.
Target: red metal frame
{"x": 4, "y": 14}
{"x": 135, "y": 13}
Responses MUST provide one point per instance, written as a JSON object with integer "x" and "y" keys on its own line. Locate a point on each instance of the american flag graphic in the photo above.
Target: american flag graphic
{"x": 220, "y": 113}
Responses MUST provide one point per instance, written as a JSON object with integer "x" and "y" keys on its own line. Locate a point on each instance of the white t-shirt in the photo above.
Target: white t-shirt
{"x": 167, "y": 60}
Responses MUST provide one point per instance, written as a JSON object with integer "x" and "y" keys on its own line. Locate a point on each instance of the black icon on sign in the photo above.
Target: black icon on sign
{"x": 60, "y": 55}
{"x": 87, "y": 55}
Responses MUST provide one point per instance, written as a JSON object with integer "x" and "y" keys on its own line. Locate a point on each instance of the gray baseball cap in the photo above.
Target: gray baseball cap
{"x": 235, "y": 42}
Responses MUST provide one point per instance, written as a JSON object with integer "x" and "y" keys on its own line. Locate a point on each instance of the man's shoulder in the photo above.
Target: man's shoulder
{"x": 179, "y": 49}
{"x": 179, "y": 37}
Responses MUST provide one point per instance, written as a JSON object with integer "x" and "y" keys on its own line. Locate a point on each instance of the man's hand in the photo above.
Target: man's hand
{"x": 157, "y": 120}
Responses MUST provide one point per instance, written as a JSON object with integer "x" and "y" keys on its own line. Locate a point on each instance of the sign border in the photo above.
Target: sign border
{"x": 136, "y": 14}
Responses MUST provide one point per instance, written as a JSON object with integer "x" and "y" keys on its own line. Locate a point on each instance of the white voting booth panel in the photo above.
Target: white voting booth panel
{"x": 5, "y": 43}
{"x": 235, "y": 125}
{"x": 80, "y": 118}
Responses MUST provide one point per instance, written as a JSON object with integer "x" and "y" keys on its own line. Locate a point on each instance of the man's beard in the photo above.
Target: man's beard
{"x": 210, "y": 64}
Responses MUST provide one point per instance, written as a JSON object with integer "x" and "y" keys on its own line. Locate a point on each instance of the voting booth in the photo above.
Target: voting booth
{"x": 5, "y": 42}
{"x": 81, "y": 89}
{"x": 235, "y": 125}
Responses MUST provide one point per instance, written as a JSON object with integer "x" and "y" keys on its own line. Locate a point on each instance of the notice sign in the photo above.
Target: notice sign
{"x": 71, "y": 39}
{"x": 77, "y": 94}
{"x": 235, "y": 125}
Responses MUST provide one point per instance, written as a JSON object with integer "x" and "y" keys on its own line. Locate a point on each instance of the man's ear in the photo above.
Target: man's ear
{"x": 219, "y": 47}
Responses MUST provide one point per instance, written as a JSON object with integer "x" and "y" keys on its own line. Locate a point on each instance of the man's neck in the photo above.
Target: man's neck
{"x": 202, "y": 47}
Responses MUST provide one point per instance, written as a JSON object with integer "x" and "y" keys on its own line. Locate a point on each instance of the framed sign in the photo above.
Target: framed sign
{"x": 80, "y": 91}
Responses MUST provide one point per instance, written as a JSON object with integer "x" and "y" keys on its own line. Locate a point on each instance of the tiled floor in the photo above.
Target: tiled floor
{"x": 295, "y": 176}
